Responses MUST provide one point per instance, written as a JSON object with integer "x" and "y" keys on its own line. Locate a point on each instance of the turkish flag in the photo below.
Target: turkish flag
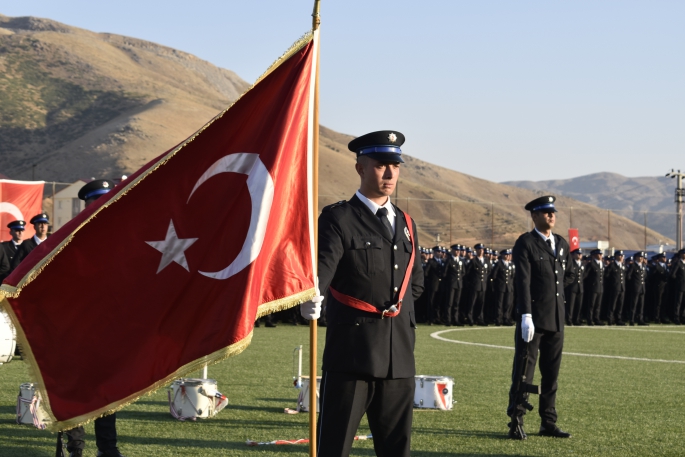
{"x": 19, "y": 201}
{"x": 168, "y": 271}
{"x": 574, "y": 240}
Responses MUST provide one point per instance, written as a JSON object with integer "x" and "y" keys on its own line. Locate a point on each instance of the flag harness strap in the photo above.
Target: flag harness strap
{"x": 394, "y": 310}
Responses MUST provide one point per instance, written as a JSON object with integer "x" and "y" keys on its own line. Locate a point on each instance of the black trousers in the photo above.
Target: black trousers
{"x": 105, "y": 435}
{"x": 594, "y": 306}
{"x": 502, "y": 306}
{"x": 433, "y": 307}
{"x": 508, "y": 307}
{"x": 451, "y": 310}
{"x": 637, "y": 304}
{"x": 615, "y": 306}
{"x": 658, "y": 295}
{"x": 550, "y": 346}
{"x": 475, "y": 306}
{"x": 388, "y": 404}
{"x": 677, "y": 304}
{"x": 574, "y": 306}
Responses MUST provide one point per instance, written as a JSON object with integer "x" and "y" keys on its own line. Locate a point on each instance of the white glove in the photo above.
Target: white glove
{"x": 527, "y": 328}
{"x": 312, "y": 309}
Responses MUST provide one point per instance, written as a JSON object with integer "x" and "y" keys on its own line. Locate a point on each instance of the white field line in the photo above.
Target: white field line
{"x": 437, "y": 336}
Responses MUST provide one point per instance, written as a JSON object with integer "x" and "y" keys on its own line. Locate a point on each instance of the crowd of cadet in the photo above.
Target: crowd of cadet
{"x": 475, "y": 286}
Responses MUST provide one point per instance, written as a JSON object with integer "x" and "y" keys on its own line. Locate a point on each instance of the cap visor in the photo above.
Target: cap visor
{"x": 385, "y": 157}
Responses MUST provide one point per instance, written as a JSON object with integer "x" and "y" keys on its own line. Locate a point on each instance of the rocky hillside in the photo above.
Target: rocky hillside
{"x": 76, "y": 104}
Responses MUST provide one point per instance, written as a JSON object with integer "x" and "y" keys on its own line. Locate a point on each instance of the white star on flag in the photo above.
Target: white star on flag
{"x": 172, "y": 248}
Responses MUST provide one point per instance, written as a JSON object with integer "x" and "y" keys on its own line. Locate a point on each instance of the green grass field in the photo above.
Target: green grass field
{"x": 613, "y": 407}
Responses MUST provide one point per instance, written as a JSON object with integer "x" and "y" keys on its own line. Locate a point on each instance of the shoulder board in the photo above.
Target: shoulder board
{"x": 334, "y": 205}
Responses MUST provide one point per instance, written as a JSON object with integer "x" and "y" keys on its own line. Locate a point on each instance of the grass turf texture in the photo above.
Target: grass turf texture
{"x": 613, "y": 407}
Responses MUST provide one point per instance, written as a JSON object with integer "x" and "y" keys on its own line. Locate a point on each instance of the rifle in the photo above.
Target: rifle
{"x": 522, "y": 389}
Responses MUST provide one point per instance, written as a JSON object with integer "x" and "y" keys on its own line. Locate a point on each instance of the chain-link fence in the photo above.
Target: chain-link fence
{"x": 498, "y": 225}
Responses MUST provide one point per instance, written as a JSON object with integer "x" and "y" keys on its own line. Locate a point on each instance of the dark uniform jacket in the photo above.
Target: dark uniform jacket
{"x": 4, "y": 265}
{"x": 615, "y": 277}
{"x": 594, "y": 277}
{"x": 659, "y": 276}
{"x": 678, "y": 275}
{"x": 476, "y": 275}
{"x": 578, "y": 276}
{"x": 454, "y": 273}
{"x": 503, "y": 277}
{"x": 10, "y": 249}
{"x": 635, "y": 278}
{"x": 23, "y": 251}
{"x": 540, "y": 279}
{"x": 358, "y": 258}
{"x": 433, "y": 274}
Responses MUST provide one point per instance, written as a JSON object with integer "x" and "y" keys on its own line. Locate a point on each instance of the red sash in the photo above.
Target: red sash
{"x": 394, "y": 310}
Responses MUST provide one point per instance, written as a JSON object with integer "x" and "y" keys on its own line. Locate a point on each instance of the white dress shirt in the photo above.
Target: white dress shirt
{"x": 374, "y": 208}
{"x": 37, "y": 240}
{"x": 551, "y": 238}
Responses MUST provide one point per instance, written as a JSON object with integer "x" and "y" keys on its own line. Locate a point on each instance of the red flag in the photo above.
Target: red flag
{"x": 169, "y": 270}
{"x": 19, "y": 201}
{"x": 573, "y": 239}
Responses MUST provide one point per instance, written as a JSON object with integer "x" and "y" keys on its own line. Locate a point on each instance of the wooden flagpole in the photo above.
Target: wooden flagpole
{"x": 313, "y": 350}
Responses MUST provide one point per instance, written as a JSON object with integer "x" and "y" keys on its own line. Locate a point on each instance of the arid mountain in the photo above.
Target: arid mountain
{"x": 75, "y": 104}
{"x": 629, "y": 197}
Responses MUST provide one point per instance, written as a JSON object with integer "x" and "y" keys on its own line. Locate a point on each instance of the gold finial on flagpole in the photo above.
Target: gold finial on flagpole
{"x": 316, "y": 17}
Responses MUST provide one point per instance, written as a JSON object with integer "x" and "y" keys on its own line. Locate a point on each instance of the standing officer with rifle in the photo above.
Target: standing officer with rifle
{"x": 543, "y": 268}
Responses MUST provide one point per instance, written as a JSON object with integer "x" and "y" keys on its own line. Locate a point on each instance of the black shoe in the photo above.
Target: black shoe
{"x": 621, "y": 323}
{"x": 76, "y": 453}
{"x": 643, "y": 323}
{"x": 590, "y": 323}
{"x": 632, "y": 323}
{"x": 470, "y": 323}
{"x": 598, "y": 322}
{"x": 555, "y": 432}
{"x": 111, "y": 453}
{"x": 569, "y": 323}
{"x": 516, "y": 432}
{"x": 481, "y": 324}
{"x": 270, "y": 325}
{"x": 256, "y": 324}
{"x": 458, "y": 324}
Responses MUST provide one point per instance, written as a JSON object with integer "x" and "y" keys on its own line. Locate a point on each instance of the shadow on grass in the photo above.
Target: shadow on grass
{"x": 464, "y": 433}
{"x": 23, "y": 451}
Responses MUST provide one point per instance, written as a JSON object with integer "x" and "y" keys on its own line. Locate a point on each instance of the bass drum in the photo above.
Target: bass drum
{"x": 8, "y": 338}
{"x": 192, "y": 398}
{"x": 433, "y": 392}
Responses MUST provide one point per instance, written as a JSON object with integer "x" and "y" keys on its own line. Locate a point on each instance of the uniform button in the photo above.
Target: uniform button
{"x": 396, "y": 267}
{"x": 556, "y": 271}
{"x": 395, "y": 289}
{"x": 395, "y": 247}
{"x": 357, "y": 324}
{"x": 557, "y": 282}
{"x": 557, "y": 294}
{"x": 368, "y": 243}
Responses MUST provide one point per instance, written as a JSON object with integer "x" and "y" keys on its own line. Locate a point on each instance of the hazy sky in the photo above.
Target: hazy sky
{"x": 504, "y": 90}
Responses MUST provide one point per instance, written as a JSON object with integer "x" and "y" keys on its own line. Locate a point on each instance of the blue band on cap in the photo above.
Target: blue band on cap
{"x": 95, "y": 192}
{"x": 545, "y": 206}
{"x": 17, "y": 227}
{"x": 36, "y": 221}
{"x": 372, "y": 149}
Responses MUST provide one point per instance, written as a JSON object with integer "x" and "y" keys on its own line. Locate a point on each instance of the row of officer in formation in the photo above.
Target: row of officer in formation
{"x": 13, "y": 252}
{"x": 466, "y": 286}
{"x": 617, "y": 291}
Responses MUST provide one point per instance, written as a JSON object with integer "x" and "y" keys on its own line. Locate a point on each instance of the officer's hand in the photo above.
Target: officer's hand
{"x": 312, "y": 309}
{"x": 527, "y": 328}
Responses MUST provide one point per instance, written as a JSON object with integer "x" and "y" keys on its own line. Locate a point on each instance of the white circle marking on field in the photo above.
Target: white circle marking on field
{"x": 437, "y": 336}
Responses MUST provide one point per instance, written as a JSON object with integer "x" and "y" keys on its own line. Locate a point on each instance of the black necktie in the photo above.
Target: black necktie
{"x": 549, "y": 243}
{"x": 382, "y": 214}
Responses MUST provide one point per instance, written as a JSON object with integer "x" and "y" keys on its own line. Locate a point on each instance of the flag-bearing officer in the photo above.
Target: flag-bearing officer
{"x": 17, "y": 233}
{"x": 40, "y": 225}
{"x": 543, "y": 268}
{"x": 105, "y": 427}
{"x": 368, "y": 262}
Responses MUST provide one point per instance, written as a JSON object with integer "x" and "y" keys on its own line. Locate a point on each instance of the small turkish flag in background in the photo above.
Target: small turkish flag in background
{"x": 573, "y": 239}
{"x": 19, "y": 201}
{"x": 169, "y": 270}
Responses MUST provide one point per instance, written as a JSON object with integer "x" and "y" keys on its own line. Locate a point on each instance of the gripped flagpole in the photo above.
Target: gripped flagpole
{"x": 313, "y": 351}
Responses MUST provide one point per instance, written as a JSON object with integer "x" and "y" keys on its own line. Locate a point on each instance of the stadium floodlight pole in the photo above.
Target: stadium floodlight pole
{"x": 679, "y": 196}
{"x": 313, "y": 350}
